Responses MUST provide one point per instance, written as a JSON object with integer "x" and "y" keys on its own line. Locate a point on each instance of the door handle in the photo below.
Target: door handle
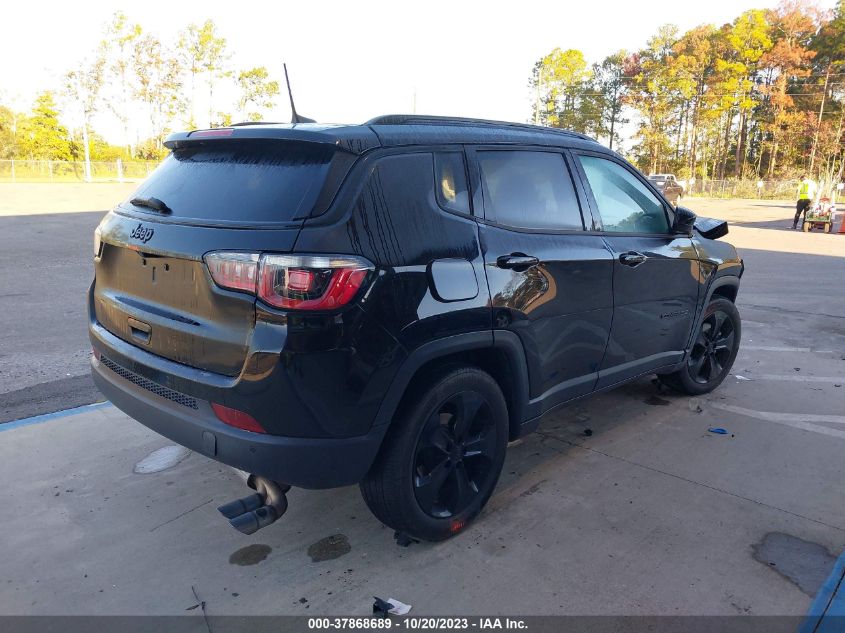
{"x": 517, "y": 261}
{"x": 632, "y": 259}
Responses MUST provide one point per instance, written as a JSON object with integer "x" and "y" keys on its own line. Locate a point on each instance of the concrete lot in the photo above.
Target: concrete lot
{"x": 652, "y": 514}
{"x": 46, "y": 242}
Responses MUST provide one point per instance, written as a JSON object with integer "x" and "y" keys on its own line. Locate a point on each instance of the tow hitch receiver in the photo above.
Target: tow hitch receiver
{"x": 266, "y": 506}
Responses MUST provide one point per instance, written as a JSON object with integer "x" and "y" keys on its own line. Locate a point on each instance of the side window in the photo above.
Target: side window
{"x": 625, "y": 204}
{"x": 451, "y": 181}
{"x": 529, "y": 190}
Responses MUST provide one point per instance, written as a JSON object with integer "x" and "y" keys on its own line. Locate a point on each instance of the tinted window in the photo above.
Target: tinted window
{"x": 531, "y": 190}
{"x": 239, "y": 182}
{"x": 625, "y": 203}
{"x": 452, "y": 191}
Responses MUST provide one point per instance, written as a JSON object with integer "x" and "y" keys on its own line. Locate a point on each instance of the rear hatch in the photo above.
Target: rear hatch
{"x": 152, "y": 287}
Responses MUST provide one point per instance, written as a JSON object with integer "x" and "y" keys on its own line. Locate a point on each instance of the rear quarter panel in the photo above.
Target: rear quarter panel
{"x": 387, "y": 212}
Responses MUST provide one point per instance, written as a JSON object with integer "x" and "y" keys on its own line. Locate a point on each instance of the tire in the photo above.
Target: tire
{"x": 438, "y": 466}
{"x": 827, "y": 227}
{"x": 806, "y": 227}
{"x": 713, "y": 351}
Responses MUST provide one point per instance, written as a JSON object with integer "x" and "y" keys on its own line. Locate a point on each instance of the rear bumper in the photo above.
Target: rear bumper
{"x": 302, "y": 462}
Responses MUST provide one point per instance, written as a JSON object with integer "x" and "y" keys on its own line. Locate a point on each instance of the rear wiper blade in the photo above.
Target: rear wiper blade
{"x": 151, "y": 203}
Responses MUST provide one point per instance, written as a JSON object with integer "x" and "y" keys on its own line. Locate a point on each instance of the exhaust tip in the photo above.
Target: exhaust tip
{"x": 240, "y": 506}
{"x": 245, "y": 523}
{"x": 251, "y": 522}
{"x": 250, "y": 514}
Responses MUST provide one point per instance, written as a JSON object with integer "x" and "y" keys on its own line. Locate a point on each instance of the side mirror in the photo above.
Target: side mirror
{"x": 684, "y": 220}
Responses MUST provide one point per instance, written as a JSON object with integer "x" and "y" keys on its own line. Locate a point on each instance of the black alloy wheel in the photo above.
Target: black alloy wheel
{"x": 713, "y": 349}
{"x": 454, "y": 455}
{"x": 441, "y": 458}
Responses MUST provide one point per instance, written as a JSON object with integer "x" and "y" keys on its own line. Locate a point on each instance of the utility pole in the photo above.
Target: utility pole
{"x": 86, "y": 149}
{"x": 819, "y": 122}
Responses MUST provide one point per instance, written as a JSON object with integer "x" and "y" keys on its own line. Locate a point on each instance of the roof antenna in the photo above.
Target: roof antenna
{"x": 294, "y": 117}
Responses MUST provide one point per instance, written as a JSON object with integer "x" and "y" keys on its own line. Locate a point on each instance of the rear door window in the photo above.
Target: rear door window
{"x": 529, "y": 190}
{"x": 239, "y": 182}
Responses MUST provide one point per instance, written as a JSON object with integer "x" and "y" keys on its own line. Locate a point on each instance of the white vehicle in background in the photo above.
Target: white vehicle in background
{"x": 671, "y": 188}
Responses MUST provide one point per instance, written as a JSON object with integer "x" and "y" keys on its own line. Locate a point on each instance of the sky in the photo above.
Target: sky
{"x": 351, "y": 61}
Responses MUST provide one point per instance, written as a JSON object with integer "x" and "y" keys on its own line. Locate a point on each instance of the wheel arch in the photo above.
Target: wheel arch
{"x": 500, "y": 354}
{"x": 726, "y": 286}
{"x": 727, "y": 289}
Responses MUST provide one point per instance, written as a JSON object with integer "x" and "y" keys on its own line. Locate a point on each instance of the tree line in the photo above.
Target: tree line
{"x": 145, "y": 84}
{"x": 760, "y": 97}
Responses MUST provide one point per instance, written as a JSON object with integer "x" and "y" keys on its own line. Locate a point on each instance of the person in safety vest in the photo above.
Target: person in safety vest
{"x": 806, "y": 193}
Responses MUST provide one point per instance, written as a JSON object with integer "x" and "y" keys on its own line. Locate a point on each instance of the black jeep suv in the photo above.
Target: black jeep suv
{"x": 391, "y": 303}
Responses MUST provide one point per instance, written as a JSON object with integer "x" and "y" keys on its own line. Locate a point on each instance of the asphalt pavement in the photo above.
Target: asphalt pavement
{"x": 46, "y": 243}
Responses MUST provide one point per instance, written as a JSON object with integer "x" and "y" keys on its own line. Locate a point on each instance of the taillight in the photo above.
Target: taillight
{"x": 291, "y": 282}
{"x": 236, "y": 418}
{"x": 235, "y": 271}
{"x": 98, "y": 243}
{"x": 310, "y": 282}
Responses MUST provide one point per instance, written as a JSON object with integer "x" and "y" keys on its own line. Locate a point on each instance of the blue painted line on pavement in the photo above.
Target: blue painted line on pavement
{"x": 827, "y": 613}
{"x": 38, "y": 419}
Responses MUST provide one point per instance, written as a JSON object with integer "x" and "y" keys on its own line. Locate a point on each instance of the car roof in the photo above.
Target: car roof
{"x": 395, "y": 130}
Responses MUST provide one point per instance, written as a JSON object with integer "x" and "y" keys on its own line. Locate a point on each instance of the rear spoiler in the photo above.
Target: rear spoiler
{"x": 354, "y": 139}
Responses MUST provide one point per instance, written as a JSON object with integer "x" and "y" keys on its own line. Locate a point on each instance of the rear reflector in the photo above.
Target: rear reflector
{"x": 238, "y": 419}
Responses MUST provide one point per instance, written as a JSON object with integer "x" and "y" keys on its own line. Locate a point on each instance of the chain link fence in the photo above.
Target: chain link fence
{"x": 763, "y": 189}
{"x": 74, "y": 171}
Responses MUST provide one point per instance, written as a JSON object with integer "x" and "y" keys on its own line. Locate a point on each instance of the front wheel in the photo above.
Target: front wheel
{"x": 713, "y": 352}
{"x": 806, "y": 227}
{"x": 442, "y": 457}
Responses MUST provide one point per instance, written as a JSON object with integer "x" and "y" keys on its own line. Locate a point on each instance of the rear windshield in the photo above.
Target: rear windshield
{"x": 238, "y": 182}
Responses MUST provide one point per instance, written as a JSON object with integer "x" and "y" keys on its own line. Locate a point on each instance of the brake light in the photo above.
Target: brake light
{"x": 292, "y": 282}
{"x": 311, "y": 282}
{"x": 238, "y": 419}
{"x": 214, "y": 133}
{"x": 235, "y": 271}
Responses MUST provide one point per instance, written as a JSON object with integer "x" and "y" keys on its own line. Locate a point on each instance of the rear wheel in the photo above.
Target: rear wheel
{"x": 713, "y": 351}
{"x": 828, "y": 227}
{"x": 442, "y": 457}
{"x": 806, "y": 227}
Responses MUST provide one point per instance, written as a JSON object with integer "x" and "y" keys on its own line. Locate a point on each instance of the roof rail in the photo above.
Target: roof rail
{"x": 416, "y": 119}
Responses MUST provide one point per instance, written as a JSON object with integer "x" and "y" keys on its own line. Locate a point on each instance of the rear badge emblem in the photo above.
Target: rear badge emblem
{"x": 142, "y": 233}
